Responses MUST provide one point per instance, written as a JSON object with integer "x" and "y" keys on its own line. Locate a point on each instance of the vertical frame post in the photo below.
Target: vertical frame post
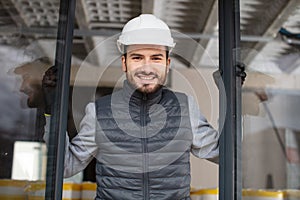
{"x": 230, "y": 184}
{"x": 58, "y": 125}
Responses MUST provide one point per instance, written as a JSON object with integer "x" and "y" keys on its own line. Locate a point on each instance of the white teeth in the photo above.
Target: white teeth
{"x": 146, "y": 77}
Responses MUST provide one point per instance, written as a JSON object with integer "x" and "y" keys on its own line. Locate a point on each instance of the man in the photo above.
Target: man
{"x": 142, "y": 135}
{"x": 31, "y": 85}
{"x": 31, "y": 74}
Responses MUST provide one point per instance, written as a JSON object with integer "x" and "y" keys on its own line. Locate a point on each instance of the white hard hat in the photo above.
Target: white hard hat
{"x": 145, "y": 29}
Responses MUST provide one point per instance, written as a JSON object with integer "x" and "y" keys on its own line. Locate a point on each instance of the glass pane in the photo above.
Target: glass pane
{"x": 28, "y": 44}
{"x": 27, "y": 49}
{"x": 98, "y": 64}
{"x": 271, "y": 51}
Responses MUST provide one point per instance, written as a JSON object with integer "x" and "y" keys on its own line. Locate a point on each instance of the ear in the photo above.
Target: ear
{"x": 168, "y": 64}
{"x": 124, "y": 67}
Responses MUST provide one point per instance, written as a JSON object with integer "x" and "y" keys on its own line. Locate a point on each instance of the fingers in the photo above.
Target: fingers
{"x": 51, "y": 71}
{"x": 49, "y": 81}
{"x": 217, "y": 77}
{"x": 50, "y": 77}
{"x": 261, "y": 95}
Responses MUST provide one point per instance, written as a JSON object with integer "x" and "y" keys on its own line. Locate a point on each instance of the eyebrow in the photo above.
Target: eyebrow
{"x": 135, "y": 54}
{"x": 154, "y": 55}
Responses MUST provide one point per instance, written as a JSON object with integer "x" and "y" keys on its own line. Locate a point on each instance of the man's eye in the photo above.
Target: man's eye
{"x": 136, "y": 58}
{"x": 157, "y": 58}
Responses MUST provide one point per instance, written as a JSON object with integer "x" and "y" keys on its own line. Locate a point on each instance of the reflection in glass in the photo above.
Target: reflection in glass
{"x": 271, "y": 112}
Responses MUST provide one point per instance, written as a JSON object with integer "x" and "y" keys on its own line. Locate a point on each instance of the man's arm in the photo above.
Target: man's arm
{"x": 205, "y": 137}
{"x": 82, "y": 148}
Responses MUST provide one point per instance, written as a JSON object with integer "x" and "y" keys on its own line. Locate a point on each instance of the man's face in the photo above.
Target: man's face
{"x": 146, "y": 67}
{"x": 31, "y": 86}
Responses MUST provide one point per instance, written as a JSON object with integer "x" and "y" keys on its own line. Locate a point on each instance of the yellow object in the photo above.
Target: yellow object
{"x": 249, "y": 194}
{"x": 205, "y": 194}
{"x": 88, "y": 191}
{"x": 36, "y": 191}
{"x": 292, "y": 194}
{"x": 13, "y": 189}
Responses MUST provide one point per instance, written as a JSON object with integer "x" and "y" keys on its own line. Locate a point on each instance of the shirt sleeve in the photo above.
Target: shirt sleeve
{"x": 82, "y": 148}
{"x": 205, "y": 138}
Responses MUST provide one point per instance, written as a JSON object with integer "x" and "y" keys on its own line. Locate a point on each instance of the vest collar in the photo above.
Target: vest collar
{"x": 134, "y": 96}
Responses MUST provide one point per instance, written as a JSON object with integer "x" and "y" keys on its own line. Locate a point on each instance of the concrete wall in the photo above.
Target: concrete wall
{"x": 199, "y": 83}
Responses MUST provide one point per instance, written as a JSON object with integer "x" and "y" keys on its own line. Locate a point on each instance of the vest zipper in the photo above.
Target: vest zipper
{"x": 145, "y": 148}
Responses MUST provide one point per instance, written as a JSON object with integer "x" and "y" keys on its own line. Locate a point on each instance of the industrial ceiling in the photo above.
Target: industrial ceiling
{"x": 23, "y": 22}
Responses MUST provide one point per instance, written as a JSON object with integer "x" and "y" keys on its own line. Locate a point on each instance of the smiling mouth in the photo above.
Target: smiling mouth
{"x": 147, "y": 77}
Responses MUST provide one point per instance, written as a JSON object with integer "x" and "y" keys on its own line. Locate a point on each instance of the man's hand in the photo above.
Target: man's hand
{"x": 217, "y": 77}
{"x": 49, "y": 85}
{"x": 242, "y": 74}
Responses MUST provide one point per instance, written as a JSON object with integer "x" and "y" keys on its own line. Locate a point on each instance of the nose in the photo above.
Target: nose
{"x": 147, "y": 61}
{"x": 22, "y": 88}
{"x": 147, "y": 68}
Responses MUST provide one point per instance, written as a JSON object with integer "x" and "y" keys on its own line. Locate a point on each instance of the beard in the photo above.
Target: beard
{"x": 35, "y": 96}
{"x": 147, "y": 88}
{"x": 146, "y": 85}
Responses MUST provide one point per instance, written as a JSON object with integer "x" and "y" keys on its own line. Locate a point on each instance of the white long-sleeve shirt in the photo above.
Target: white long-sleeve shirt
{"x": 81, "y": 150}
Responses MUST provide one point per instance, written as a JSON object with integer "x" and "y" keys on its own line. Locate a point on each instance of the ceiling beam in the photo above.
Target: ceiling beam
{"x": 10, "y": 7}
{"x": 12, "y": 16}
{"x": 273, "y": 29}
{"x": 51, "y": 33}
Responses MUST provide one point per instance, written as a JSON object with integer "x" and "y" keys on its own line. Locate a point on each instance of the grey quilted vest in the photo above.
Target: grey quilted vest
{"x": 144, "y": 145}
